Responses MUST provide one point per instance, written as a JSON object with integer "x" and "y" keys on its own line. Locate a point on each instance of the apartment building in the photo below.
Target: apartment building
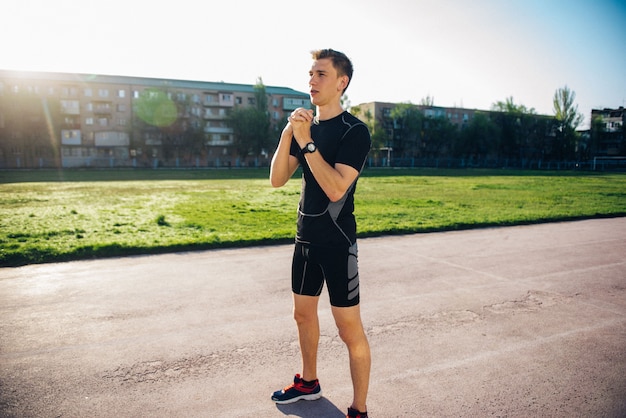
{"x": 381, "y": 111}
{"x": 611, "y": 140}
{"x": 82, "y": 120}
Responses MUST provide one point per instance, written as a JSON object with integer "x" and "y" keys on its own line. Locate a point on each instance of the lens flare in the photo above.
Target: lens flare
{"x": 52, "y": 135}
{"x": 154, "y": 107}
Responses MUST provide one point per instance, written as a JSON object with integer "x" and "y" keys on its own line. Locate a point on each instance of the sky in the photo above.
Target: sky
{"x": 461, "y": 53}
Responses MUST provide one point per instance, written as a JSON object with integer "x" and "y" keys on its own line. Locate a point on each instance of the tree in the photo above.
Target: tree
{"x": 251, "y": 125}
{"x": 260, "y": 95}
{"x": 565, "y": 110}
{"x": 345, "y": 102}
{"x": 407, "y": 122}
{"x": 477, "y": 139}
{"x": 438, "y": 136}
{"x": 428, "y": 101}
{"x": 515, "y": 122}
{"x": 509, "y": 106}
{"x": 30, "y": 127}
{"x": 380, "y": 138}
{"x": 568, "y": 119}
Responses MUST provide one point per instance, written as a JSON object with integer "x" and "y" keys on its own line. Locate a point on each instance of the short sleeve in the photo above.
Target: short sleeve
{"x": 294, "y": 149}
{"x": 355, "y": 145}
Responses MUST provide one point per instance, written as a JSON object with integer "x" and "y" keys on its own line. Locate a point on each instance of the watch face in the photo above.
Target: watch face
{"x": 311, "y": 147}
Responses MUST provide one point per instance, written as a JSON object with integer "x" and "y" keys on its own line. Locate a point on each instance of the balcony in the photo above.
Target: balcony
{"x": 217, "y": 130}
{"x": 103, "y": 109}
{"x": 214, "y": 116}
{"x": 219, "y": 143}
{"x": 71, "y": 125}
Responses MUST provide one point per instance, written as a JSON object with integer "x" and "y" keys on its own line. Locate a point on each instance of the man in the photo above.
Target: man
{"x": 331, "y": 148}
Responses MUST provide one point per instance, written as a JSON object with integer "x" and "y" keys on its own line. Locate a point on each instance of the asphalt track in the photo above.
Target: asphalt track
{"x": 526, "y": 321}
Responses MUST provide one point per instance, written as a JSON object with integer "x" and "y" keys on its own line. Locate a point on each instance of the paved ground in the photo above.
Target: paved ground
{"x": 516, "y": 322}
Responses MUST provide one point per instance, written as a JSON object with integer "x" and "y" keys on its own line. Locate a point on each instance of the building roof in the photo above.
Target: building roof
{"x": 146, "y": 81}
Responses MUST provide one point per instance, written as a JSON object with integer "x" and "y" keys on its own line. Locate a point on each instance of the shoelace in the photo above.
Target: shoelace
{"x": 286, "y": 388}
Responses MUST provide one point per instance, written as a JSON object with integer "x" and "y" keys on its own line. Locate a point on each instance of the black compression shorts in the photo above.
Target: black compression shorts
{"x": 338, "y": 267}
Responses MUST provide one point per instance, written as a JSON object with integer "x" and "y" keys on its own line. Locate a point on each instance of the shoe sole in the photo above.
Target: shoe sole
{"x": 311, "y": 397}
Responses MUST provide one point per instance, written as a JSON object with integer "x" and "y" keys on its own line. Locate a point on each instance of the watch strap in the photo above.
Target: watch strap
{"x": 305, "y": 149}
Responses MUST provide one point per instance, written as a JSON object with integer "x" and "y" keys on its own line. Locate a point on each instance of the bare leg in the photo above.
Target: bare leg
{"x": 305, "y": 314}
{"x": 351, "y": 331}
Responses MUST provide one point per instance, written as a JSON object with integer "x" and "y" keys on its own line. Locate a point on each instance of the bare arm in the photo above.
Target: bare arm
{"x": 334, "y": 181}
{"x": 283, "y": 164}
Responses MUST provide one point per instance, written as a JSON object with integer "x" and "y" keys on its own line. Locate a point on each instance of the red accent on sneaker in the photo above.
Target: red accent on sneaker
{"x": 298, "y": 383}
{"x": 353, "y": 413}
{"x": 296, "y": 391}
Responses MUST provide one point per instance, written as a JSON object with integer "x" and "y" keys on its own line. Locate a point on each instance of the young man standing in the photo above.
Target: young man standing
{"x": 331, "y": 147}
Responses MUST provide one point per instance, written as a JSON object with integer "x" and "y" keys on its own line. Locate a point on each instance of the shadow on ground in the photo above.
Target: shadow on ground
{"x": 322, "y": 408}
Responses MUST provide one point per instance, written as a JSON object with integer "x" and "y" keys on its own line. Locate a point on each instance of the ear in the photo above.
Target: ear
{"x": 343, "y": 83}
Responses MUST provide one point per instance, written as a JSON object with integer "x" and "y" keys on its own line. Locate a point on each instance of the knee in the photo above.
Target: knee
{"x": 304, "y": 317}
{"x": 351, "y": 333}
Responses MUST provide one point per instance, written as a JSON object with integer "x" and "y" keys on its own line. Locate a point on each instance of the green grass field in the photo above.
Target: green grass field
{"x": 56, "y": 216}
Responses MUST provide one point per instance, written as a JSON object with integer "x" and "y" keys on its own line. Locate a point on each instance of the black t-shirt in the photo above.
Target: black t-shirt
{"x": 343, "y": 139}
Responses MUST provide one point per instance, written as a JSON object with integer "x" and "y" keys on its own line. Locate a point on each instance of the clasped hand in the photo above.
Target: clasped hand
{"x": 300, "y": 121}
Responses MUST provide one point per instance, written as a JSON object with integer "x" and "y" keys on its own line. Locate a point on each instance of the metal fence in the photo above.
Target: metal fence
{"x": 597, "y": 164}
{"x": 614, "y": 164}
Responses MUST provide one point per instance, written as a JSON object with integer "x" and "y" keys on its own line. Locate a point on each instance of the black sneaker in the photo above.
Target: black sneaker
{"x": 353, "y": 413}
{"x": 297, "y": 391}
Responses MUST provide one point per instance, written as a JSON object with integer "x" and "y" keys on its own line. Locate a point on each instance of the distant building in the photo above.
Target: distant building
{"x": 607, "y": 132}
{"x": 81, "y": 120}
{"x": 457, "y": 115}
{"x": 381, "y": 112}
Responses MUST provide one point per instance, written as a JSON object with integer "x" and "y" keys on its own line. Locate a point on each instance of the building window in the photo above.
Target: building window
{"x": 70, "y": 137}
{"x": 121, "y": 107}
{"x": 70, "y": 107}
{"x": 121, "y": 93}
{"x": 291, "y": 103}
{"x": 104, "y": 107}
{"x": 69, "y": 92}
{"x": 103, "y": 92}
{"x": 89, "y": 121}
{"x": 88, "y": 92}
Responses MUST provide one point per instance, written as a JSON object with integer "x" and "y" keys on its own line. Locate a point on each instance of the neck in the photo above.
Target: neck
{"x": 329, "y": 111}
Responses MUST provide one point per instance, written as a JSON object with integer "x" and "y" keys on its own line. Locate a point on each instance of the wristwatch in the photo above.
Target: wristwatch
{"x": 310, "y": 147}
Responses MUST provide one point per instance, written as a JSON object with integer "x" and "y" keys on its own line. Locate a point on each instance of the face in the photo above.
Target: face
{"x": 325, "y": 85}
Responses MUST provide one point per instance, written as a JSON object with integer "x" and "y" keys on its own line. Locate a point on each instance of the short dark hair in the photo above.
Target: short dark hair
{"x": 340, "y": 61}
